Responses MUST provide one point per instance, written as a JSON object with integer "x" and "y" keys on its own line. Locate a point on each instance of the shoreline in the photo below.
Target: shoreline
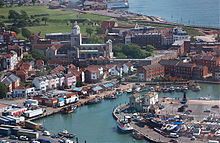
{"x": 135, "y": 17}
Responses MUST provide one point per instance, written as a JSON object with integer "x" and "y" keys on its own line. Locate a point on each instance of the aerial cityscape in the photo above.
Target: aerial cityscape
{"x": 109, "y": 71}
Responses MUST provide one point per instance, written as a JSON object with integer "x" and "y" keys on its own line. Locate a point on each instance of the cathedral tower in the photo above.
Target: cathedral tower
{"x": 76, "y": 39}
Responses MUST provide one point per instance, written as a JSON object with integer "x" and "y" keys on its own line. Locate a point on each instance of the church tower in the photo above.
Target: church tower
{"x": 76, "y": 39}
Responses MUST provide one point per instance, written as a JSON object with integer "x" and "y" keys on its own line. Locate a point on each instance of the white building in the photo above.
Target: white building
{"x": 151, "y": 98}
{"x": 143, "y": 102}
{"x": 40, "y": 83}
{"x": 23, "y": 91}
{"x": 10, "y": 60}
{"x": 180, "y": 34}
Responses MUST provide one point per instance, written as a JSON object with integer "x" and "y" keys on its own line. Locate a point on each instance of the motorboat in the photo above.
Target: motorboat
{"x": 124, "y": 127}
{"x": 66, "y": 134}
{"x": 129, "y": 90}
{"x": 68, "y": 109}
{"x": 110, "y": 97}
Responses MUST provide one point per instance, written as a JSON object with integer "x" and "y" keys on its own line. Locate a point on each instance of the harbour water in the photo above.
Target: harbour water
{"x": 95, "y": 123}
{"x": 190, "y": 12}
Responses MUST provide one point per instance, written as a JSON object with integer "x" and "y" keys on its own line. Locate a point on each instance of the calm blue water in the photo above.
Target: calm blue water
{"x": 95, "y": 123}
{"x": 193, "y": 12}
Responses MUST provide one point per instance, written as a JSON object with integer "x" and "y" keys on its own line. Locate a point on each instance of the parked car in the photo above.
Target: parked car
{"x": 13, "y": 137}
{"x": 23, "y": 138}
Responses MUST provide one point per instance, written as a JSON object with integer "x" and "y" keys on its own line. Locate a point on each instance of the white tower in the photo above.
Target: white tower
{"x": 76, "y": 35}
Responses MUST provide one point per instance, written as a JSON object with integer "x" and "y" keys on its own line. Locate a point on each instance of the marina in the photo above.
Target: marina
{"x": 100, "y": 115}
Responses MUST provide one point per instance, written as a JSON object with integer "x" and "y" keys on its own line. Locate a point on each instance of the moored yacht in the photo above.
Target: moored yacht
{"x": 124, "y": 127}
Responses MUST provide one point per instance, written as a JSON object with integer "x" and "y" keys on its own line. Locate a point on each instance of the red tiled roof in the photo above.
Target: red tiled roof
{"x": 92, "y": 68}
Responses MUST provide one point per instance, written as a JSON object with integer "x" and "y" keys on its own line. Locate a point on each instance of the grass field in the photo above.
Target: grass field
{"x": 57, "y": 18}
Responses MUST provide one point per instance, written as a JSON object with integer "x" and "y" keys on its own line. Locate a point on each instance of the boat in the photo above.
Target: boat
{"x": 110, "y": 97}
{"x": 124, "y": 127}
{"x": 94, "y": 101}
{"x": 68, "y": 109}
{"x": 129, "y": 90}
{"x": 172, "y": 89}
{"x": 152, "y": 89}
{"x": 196, "y": 88}
{"x": 204, "y": 98}
{"x": 184, "y": 88}
{"x": 114, "y": 4}
{"x": 177, "y": 89}
{"x": 66, "y": 134}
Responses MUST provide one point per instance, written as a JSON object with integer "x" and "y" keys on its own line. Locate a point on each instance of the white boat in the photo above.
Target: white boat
{"x": 204, "y": 98}
{"x": 124, "y": 127}
{"x": 129, "y": 90}
{"x": 152, "y": 89}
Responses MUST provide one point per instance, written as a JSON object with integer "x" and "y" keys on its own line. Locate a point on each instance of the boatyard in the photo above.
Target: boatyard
{"x": 172, "y": 121}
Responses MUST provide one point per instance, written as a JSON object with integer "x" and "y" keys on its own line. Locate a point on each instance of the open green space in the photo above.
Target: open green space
{"x": 58, "y": 20}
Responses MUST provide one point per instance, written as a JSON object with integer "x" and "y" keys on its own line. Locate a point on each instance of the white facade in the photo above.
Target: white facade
{"x": 115, "y": 71}
{"x": 151, "y": 98}
{"x": 23, "y": 91}
{"x": 180, "y": 34}
{"x": 39, "y": 84}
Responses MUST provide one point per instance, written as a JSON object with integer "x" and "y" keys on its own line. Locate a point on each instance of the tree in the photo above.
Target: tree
{"x": 27, "y": 58}
{"x": 150, "y": 48}
{"x": 3, "y": 90}
{"x": 24, "y": 15}
{"x": 25, "y": 32}
{"x": 14, "y": 15}
{"x": 45, "y": 19}
{"x": 38, "y": 55}
{"x": 99, "y": 30}
{"x": 33, "y": 2}
{"x": 1, "y": 3}
{"x": 96, "y": 39}
{"x": 89, "y": 31}
{"x": 133, "y": 51}
{"x": 121, "y": 55}
{"x": 15, "y": 29}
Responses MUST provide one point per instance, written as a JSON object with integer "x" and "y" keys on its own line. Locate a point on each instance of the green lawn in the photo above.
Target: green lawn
{"x": 57, "y": 18}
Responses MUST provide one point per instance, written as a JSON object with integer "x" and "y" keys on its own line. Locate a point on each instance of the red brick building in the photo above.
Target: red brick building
{"x": 210, "y": 61}
{"x": 177, "y": 68}
{"x": 149, "y": 72}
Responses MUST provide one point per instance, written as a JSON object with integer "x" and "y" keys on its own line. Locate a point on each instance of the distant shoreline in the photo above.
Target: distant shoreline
{"x": 117, "y": 13}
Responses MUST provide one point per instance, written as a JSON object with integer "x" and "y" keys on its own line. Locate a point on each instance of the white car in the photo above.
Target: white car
{"x": 46, "y": 133}
{"x": 23, "y": 138}
{"x": 4, "y": 141}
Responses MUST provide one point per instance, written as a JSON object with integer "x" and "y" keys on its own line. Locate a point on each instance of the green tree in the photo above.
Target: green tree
{"x": 150, "y": 48}
{"x": 38, "y": 55}
{"x": 99, "y": 30}
{"x": 89, "y": 31}
{"x": 33, "y": 2}
{"x": 96, "y": 39}
{"x": 13, "y": 15}
{"x": 45, "y": 19}
{"x": 3, "y": 90}
{"x": 133, "y": 51}
{"x": 121, "y": 55}
{"x": 25, "y": 33}
{"x": 15, "y": 29}
{"x": 1, "y": 3}
{"x": 27, "y": 58}
{"x": 24, "y": 15}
